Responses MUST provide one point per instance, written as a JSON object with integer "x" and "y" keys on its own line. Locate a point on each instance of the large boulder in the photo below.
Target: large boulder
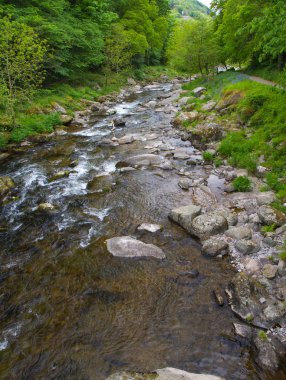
{"x": 163, "y": 374}
{"x": 126, "y": 246}
{"x": 184, "y": 215}
{"x": 207, "y": 225}
{"x": 268, "y": 215}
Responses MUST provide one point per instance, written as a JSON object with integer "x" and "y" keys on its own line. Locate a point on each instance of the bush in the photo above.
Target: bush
{"x": 242, "y": 184}
{"x": 208, "y": 156}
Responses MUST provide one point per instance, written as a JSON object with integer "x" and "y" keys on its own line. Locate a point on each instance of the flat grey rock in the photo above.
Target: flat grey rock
{"x": 126, "y": 246}
{"x": 239, "y": 233}
{"x": 163, "y": 374}
{"x": 184, "y": 215}
{"x": 149, "y": 227}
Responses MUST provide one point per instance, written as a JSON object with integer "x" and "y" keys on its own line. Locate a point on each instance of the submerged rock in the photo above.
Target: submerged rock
{"x": 162, "y": 374}
{"x": 126, "y": 246}
{"x": 149, "y": 227}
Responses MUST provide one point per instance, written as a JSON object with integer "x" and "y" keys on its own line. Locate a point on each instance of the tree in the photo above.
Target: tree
{"x": 21, "y": 63}
{"x": 194, "y": 47}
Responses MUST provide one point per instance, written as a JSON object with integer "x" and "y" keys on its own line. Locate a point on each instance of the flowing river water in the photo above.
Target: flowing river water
{"x": 69, "y": 309}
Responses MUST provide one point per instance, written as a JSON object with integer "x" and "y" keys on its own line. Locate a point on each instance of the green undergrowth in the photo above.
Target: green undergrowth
{"x": 263, "y": 138}
{"x": 37, "y": 116}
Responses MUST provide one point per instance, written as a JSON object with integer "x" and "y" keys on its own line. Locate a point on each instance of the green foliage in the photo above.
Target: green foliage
{"x": 218, "y": 162}
{"x": 242, "y": 183}
{"x": 191, "y": 8}
{"x": 262, "y": 335}
{"x": 193, "y": 46}
{"x": 34, "y": 124}
{"x": 21, "y": 64}
{"x": 208, "y": 156}
{"x": 266, "y": 229}
{"x": 282, "y": 256}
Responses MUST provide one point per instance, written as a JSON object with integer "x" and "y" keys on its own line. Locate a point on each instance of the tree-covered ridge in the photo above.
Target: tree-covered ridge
{"x": 190, "y": 8}
{"x": 76, "y": 30}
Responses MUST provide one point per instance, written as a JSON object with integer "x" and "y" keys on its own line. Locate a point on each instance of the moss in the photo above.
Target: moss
{"x": 262, "y": 335}
{"x": 266, "y": 229}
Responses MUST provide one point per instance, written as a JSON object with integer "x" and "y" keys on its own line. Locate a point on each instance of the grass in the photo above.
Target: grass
{"x": 242, "y": 184}
{"x": 266, "y": 229}
{"x": 208, "y": 156}
{"x": 262, "y": 335}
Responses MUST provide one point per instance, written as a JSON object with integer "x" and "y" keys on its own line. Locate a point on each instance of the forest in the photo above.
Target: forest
{"x": 48, "y": 43}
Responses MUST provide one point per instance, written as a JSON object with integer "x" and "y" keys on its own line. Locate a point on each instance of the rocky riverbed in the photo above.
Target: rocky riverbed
{"x": 122, "y": 249}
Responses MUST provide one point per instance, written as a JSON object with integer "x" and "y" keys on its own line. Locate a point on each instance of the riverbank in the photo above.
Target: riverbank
{"x": 55, "y": 105}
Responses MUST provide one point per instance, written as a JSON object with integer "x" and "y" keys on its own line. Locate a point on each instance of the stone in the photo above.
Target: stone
{"x": 246, "y": 246}
{"x": 131, "y": 82}
{"x": 6, "y": 185}
{"x": 270, "y": 242}
{"x": 229, "y": 188}
{"x": 268, "y": 215}
{"x": 214, "y": 246}
{"x": 66, "y": 119}
{"x": 239, "y": 233}
{"x": 230, "y": 216}
{"x": 128, "y": 247}
{"x": 209, "y": 106}
{"x": 128, "y": 139}
{"x": 206, "y": 225}
{"x": 269, "y": 271}
{"x": 198, "y": 91}
{"x": 142, "y": 160}
{"x": 149, "y": 227}
{"x": 59, "y": 175}
{"x": 181, "y": 156}
{"x": 127, "y": 170}
{"x": 119, "y": 122}
{"x": 251, "y": 265}
{"x": 281, "y": 268}
{"x": 184, "y": 215}
{"x": 184, "y": 279}
{"x": 243, "y": 331}
{"x": 244, "y": 293}
{"x": 203, "y": 196}
{"x": 206, "y": 132}
{"x": 185, "y": 183}
{"x": 218, "y": 297}
{"x": 267, "y": 357}
{"x": 163, "y": 374}
{"x": 58, "y": 108}
{"x": 46, "y": 207}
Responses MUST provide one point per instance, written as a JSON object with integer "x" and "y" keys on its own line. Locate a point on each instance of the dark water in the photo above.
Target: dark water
{"x": 69, "y": 310}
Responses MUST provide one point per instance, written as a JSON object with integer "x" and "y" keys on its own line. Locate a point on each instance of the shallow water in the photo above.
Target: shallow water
{"x": 69, "y": 310}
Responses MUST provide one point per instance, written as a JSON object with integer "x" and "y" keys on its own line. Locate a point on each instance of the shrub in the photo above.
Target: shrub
{"x": 208, "y": 156}
{"x": 242, "y": 184}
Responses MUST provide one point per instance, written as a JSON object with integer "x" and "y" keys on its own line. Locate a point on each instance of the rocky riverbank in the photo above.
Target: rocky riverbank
{"x": 226, "y": 223}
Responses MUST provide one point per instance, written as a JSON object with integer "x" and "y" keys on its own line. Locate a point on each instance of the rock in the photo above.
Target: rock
{"x": 184, "y": 279}
{"x": 268, "y": 215}
{"x": 281, "y": 268}
{"x": 270, "y": 242}
{"x": 128, "y": 139}
{"x": 239, "y": 233}
{"x": 183, "y": 101}
{"x": 6, "y": 185}
{"x": 218, "y": 297}
{"x": 129, "y": 247}
{"x": 46, "y": 207}
{"x": 206, "y": 225}
{"x": 4, "y": 156}
{"x": 214, "y": 246}
{"x": 59, "y": 175}
{"x": 265, "y": 198}
{"x": 131, "y": 82}
{"x": 230, "y": 216}
{"x": 141, "y": 160}
{"x": 162, "y": 374}
{"x": 185, "y": 215}
{"x": 66, "y": 119}
{"x": 206, "y": 132}
{"x": 246, "y": 246}
{"x": 209, "y": 106}
{"x": 199, "y": 91}
{"x": 149, "y": 227}
{"x": 269, "y": 271}
{"x": 185, "y": 183}
{"x": 243, "y": 331}
{"x": 127, "y": 170}
{"x": 204, "y": 197}
{"x": 267, "y": 357}
{"x": 244, "y": 294}
{"x": 58, "y": 108}
{"x": 119, "y": 122}
{"x": 181, "y": 156}
{"x": 229, "y": 188}
{"x": 230, "y": 98}
{"x": 251, "y": 265}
